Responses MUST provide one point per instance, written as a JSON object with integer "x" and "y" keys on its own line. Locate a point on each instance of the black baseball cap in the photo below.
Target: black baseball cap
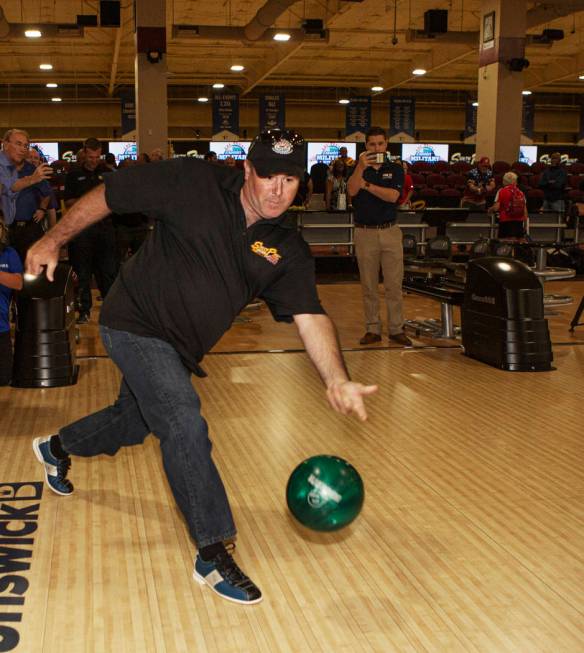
{"x": 278, "y": 151}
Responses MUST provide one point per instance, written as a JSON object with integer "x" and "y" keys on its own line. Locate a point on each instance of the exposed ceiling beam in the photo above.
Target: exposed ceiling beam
{"x": 115, "y": 60}
{"x": 551, "y": 10}
{"x": 271, "y": 63}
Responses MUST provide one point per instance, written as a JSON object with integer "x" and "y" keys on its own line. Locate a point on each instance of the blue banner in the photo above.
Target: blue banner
{"x": 402, "y": 116}
{"x": 128, "y": 105}
{"x": 358, "y": 115}
{"x": 272, "y": 112}
{"x": 226, "y": 113}
{"x": 470, "y": 119}
{"x": 528, "y": 117}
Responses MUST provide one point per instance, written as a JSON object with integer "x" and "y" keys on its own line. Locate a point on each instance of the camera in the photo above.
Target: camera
{"x": 380, "y": 157}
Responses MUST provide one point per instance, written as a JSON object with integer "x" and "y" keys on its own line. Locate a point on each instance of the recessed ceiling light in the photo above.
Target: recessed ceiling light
{"x": 419, "y": 71}
{"x": 526, "y": 92}
{"x": 46, "y": 66}
{"x": 237, "y": 68}
{"x": 377, "y": 88}
{"x": 580, "y": 76}
{"x": 52, "y": 85}
{"x": 56, "y": 99}
{"x": 202, "y": 99}
{"x": 33, "y": 34}
{"x": 282, "y": 36}
{"x": 344, "y": 101}
{"x": 475, "y": 104}
{"x": 218, "y": 85}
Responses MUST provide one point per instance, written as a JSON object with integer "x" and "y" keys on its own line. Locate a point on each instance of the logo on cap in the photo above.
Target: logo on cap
{"x": 282, "y": 147}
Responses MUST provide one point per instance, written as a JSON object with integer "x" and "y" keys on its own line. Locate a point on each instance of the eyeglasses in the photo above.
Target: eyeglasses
{"x": 272, "y": 136}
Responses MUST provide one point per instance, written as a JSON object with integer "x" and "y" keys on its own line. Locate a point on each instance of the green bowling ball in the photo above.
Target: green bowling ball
{"x": 325, "y": 493}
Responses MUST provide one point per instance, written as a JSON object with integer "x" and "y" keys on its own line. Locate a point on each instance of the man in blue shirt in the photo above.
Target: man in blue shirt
{"x": 553, "y": 182}
{"x": 10, "y": 280}
{"x": 376, "y": 186}
{"x": 15, "y": 146}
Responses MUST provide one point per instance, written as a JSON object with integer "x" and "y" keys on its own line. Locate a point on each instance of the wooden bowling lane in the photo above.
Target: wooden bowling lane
{"x": 471, "y": 536}
{"x": 257, "y": 331}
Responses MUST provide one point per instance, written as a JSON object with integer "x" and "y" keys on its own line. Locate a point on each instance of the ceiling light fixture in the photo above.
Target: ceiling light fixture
{"x": 237, "y": 68}
{"x": 202, "y": 99}
{"x": 419, "y": 71}
{"x": 56, "y": 99}
{"x": 344, "y": 101}
{"x": 46, "y": 66}
{"x": 218, "y": 85}
{"x": 377, "y": 89}
{"x": 475, "y": 104}
{"x": 580, "y": 76}
{"x": 526, "y": 92}
{"x": 33, "y": 33}
{"x": 282, "y": 36}
{"x": 52, "y": 85}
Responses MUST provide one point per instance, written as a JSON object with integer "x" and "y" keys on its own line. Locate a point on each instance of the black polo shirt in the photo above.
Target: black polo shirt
{"x": 201, "y": 265}
{"x": 372, "y": 210}
{"x": 79, "y": 181}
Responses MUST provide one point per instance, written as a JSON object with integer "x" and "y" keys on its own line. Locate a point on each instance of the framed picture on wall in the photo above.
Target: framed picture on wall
{"x": 489, "y": 27}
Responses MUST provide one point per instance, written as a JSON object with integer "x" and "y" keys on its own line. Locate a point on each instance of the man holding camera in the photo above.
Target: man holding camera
{"x": 24, "y": 191}
{"x": 376, "y": 186}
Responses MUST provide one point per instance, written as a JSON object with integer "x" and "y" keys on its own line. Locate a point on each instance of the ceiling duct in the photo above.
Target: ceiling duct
{"x": 265, "y": 18}
{"x": 4, "y": 25}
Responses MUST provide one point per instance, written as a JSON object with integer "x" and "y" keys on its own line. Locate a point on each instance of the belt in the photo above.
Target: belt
{"x": 22, "y": 223}
{"x": 383, "y": 225}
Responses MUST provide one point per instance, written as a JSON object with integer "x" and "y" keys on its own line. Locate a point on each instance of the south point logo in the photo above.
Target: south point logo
{"x": 321, "y": 493}
{"x": 282, "y": 147}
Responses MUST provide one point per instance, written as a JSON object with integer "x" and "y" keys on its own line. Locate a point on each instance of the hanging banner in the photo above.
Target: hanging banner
{"x": 402, "y": 118}
{"x": 470, "y": 119}
{"x": 358, "y": 116}
{"x": 528, "y": 118}
{"x": 128, "y": 106}
{"x": 272, "y": 112}
{"x": 226, "y": 113}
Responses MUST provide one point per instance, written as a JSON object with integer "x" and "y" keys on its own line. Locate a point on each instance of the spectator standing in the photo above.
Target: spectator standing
{"x": 553, "y": 182}
{"x": 511, "y": 205}
{"x": 376, "y": 186}
{"x": 480, "y": 181}
{"x": 407, "y": 190}
{"x": 10, "y": 280}
{"x": 336, "y": 187}
{"x": 16, "y": 177}
{"x": 92, "y": 252}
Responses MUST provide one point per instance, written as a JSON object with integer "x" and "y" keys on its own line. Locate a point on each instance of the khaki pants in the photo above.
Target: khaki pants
{"x": 375, "y": 247}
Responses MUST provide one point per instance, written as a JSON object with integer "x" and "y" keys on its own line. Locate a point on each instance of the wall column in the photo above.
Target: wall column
{"x": 151, "y": 76}
{"x": 499, "y": 116}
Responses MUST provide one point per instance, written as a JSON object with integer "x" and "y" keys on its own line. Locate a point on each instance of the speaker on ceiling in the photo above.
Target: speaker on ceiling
{"x": 109, "y": 13}
{"x": 436, "y": 21}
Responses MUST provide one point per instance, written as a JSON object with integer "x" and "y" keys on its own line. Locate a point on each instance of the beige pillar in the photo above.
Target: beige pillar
{"x": 499, "y": 89}
{"x": 150, "y": 76}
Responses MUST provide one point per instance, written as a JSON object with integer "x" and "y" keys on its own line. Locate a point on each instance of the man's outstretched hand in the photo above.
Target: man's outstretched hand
{"x": 346, "y": 397}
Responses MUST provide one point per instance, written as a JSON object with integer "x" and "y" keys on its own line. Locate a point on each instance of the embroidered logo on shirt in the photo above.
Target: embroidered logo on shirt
{"x": 387, "y": 175}
{"x": 282, "y": 147}
{"x": 269, "y": 253}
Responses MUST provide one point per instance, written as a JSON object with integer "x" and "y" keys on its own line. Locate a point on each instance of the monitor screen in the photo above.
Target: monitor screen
{"x": 235, "y": 149}
{"x": 328, "y": 152}
{"x": 527, "y": 154}
{"x": 49, "y": 151}
{"x": 122, "y": 150}
{"x": 427, "y": 152}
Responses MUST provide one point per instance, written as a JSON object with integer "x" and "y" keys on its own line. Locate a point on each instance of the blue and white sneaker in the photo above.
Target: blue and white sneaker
{"x": 225, "y": 578}
{"x": 55, "y": 468}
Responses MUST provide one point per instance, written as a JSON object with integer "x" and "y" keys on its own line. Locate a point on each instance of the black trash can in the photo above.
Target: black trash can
{"x": 44, "y": 347}
{"x": 502, "y": 316}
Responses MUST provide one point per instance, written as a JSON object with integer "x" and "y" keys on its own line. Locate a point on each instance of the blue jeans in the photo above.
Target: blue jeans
{"x": 157, "y": 396}
{"x": 553, "y": 205}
